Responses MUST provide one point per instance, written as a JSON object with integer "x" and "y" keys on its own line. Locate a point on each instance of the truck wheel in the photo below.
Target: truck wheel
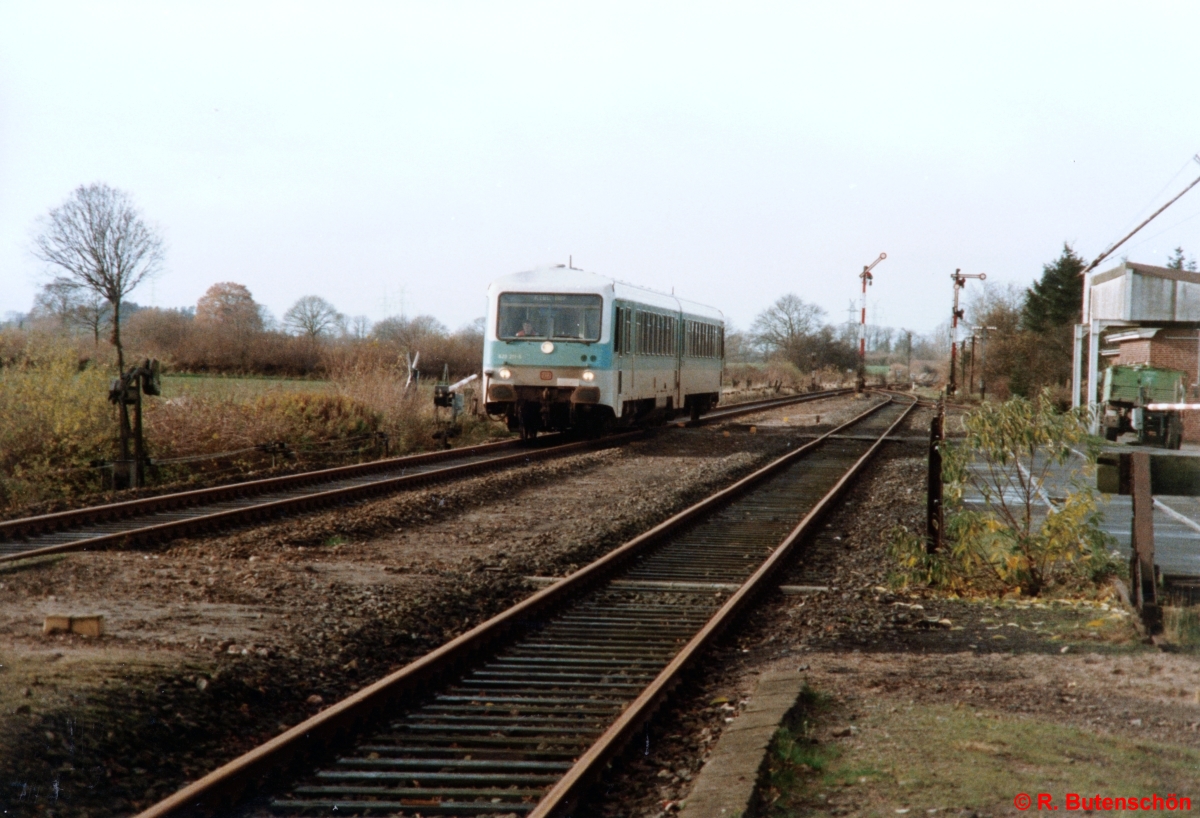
{"x": 1174, "y": 433}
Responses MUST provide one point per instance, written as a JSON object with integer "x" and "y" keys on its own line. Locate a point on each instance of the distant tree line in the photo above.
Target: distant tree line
{"x": 229, "y": 332}
{"x": 794, "y": 331}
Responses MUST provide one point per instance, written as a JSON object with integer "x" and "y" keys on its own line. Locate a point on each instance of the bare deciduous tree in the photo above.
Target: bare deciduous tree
{"x": 60, "y": 300}
{"x": 100, "y": 240}
{"x": 313, "y": 316}
{"x": 409, "y": 332}
{"x": 360, "y": 327}
{"x": 94, "y": 314}
{"x": 782, "y": 326}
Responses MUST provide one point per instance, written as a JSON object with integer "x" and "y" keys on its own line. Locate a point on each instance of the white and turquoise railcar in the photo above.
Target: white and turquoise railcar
{"x": 565, "y": 348}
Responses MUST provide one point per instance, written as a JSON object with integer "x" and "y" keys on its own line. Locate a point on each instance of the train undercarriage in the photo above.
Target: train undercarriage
{"x": 542, "y": 409}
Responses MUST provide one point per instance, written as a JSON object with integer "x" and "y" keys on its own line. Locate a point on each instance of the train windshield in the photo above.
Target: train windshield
{"x": 549, "y": 315}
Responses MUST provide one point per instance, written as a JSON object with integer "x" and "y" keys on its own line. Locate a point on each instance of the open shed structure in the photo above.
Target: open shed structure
{"x": 1138, "y": 314}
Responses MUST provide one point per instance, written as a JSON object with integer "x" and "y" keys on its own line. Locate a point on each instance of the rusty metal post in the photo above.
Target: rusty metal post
{"x": 962, "y": 357}
{"x": 123, "y": 470}
{"x": 933, "y": 505}
{"x": 1141, "y": 564}
{"x": 139, "y": 442}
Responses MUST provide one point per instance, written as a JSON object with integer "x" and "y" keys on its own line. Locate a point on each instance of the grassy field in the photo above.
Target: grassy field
{"x": 224, "y": 386}
{"x": 934, "y": 758}
{"x": 58, "y": 430}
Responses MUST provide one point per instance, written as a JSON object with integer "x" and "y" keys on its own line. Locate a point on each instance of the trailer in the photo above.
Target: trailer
{"x": 1129, "y": 392}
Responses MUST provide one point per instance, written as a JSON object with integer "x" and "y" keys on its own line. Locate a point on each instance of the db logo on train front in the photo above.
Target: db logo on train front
{"x": 1073, "y": 801}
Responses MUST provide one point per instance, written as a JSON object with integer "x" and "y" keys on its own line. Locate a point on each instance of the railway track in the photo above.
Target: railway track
{"x": 521, "y": 713}
{"x": 155, "y": 519}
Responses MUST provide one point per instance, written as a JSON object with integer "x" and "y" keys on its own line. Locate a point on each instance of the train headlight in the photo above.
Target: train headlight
{"x": 547, "y": 347}
{"x": 505, "y": 373}
{"x": 589, "y": 376}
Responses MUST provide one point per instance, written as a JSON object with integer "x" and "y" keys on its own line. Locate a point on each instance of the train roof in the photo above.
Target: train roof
{"x": 570, "y": 280}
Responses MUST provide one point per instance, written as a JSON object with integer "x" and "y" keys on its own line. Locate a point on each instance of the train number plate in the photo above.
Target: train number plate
{"x": 547, "y": 375}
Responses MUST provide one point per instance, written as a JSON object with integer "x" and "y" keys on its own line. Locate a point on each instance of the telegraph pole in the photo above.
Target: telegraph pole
{"x": 983, "y": 364}
{"x": 867, "y": 279}
{"x": 960, "y": 281}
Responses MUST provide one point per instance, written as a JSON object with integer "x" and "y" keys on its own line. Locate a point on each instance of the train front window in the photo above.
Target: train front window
{"x": 549, "y": 315}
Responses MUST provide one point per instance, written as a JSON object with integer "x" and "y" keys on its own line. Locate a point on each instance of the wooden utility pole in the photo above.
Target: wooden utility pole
{"x": 1141, "y": 564}
{"x": 933, "y": 505}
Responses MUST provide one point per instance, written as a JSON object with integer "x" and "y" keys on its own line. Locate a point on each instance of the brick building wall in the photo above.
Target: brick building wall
{"x": 1170, "y": 349}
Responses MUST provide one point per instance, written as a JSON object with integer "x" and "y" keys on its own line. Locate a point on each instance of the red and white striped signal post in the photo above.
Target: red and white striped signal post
{"x": 867, "y": 278}
{"x": 960, "y": 281}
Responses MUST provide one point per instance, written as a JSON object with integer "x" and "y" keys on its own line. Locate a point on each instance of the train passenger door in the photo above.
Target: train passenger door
{"x": 622, "y": 356}
{"x": 678, "y": 339}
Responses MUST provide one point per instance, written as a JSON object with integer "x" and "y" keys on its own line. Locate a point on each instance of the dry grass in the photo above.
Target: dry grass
{"x": 55, "y": 420}
{"x": 784, "y": 375}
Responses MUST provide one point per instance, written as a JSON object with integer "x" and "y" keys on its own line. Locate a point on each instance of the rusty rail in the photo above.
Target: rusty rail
{"x": 258, "y": 512}
{"x": 25, "y": 526}
{"x": 737, "y": 409}
{"x": 276, "y": 761}
{"x": 14, "y": 531}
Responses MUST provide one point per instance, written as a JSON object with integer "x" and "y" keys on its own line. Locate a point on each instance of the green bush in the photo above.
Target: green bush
{"x": 1021, "y": 540}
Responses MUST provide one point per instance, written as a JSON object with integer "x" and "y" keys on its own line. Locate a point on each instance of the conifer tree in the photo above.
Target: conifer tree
{"x": 1055, "y": 300}
{"x": 1179, "y": 262}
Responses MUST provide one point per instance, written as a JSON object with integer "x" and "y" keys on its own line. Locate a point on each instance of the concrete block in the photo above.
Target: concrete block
{"x": 726, "y": 785}
{"x": 56, "y": 624}
{"x": 89, "y": 625}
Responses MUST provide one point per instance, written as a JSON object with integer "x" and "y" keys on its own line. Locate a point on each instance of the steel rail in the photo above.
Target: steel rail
{"x": 24, "y": 526}
{"x": 257, "y": 512}
{"x": 13, "y": 531}
{"x": 566, "y": 792}
{"x": 737, "y": 409}
{"x": 57, "y": 521}
{"x": 273, "y": 762}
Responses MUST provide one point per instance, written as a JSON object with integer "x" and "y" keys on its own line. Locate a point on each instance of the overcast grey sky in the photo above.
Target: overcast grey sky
{"x": 370, "y": 153}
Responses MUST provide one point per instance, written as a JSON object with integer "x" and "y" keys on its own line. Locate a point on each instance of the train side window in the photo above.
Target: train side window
{"x": 617, "y": 332}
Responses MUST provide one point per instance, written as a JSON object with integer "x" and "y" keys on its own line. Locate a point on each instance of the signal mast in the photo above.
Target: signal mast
{"x": 960, "y": 281}
{"x": 867, "y": 279}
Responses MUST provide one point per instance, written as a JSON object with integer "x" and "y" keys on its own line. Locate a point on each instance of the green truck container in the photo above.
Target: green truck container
{"x": 1128, "y": 390}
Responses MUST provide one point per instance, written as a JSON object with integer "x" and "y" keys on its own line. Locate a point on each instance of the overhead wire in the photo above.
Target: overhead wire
{"x": 1164, "y": 231}
{"x": 1154, "y": 198}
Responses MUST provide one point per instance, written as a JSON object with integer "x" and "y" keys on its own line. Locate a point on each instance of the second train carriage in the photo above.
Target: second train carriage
{"x": 564, "y": 348}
